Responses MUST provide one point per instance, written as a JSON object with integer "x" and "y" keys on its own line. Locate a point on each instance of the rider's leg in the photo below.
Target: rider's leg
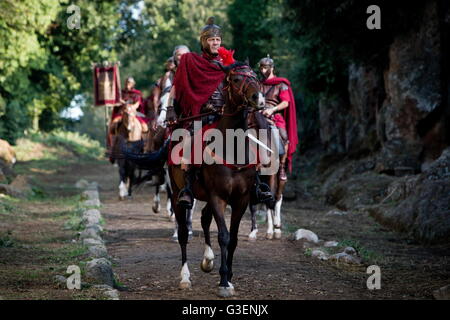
{"x": 283, "y": 148}
{"x": 282, "y": 172}
{"x": 186, "y": 196}
{"x": 263, "y": 192}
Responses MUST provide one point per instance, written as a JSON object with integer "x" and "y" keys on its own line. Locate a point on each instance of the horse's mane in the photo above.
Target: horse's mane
{"x": 237, "y": 64}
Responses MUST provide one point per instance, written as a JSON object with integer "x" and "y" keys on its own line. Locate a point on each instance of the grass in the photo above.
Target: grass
{"x": 44, "y": 225}
{"x": 5, "y": 240}
{"x": 50, "y": 146}
{"x": 308, "y": 252}
{"x": 7, "y": 205}
{"x": 367, "y": 255}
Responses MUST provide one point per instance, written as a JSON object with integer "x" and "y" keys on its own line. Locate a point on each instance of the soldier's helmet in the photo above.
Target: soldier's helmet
{"x": 130, "y": 79}
{"x": 267, "y": 61}
{"x": 210, "y": 30}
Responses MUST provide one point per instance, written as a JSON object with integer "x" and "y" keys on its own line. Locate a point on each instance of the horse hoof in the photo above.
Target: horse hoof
{"x": 269, "y": 236}
{"x": 186, "y": 284}
{"x": 226, "y": 292}
{"x": 253, "y": 235}
{"x": 156, "y": 209}
{"x": 277, "y": 234}
{"x": 121, "y": 198}
{"x": 207, "y": 265}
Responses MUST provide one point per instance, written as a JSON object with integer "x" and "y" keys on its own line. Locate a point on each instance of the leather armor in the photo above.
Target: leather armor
{"x": 214, "y": 103}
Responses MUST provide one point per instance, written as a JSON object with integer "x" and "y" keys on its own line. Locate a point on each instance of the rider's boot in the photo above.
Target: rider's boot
{"x": 263, "y": 192}
{"x": 186, "y": 197}
{"x": 282, "y": 173}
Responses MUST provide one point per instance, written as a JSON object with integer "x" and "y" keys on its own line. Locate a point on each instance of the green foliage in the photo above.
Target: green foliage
{"x": 253, "y": 24}
{"x": 43, "y": 63}
{"x": 92, "y": 123}
{"x": 80, "y": 144}
{"x": 5, "y": 240}
{"x": 366, "y": 254}
{"x": 149, "y": 40}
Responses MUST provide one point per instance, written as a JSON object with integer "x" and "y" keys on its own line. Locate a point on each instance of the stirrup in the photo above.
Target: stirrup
{"x": 182, "y": 198}
{"x": 263, "y": 193}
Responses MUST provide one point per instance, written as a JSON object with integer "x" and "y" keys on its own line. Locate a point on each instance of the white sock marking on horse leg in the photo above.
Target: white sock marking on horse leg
{"x": 185, "y": 282}
{"x": 175, "y": 232}
{"x": 208, "y": 254}
{"x": 277, "y": 219}
{"x": 269, "y": 223}
{"x": 208, "y": 259}
{"x": 253, "y": 234}
{"x": 156, "y": 203}
{"x": 277, "y": 216}
{"x": 169, "y": 207}
{"x": 122, "y": 189}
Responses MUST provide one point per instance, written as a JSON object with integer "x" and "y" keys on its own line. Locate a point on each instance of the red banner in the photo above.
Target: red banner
{"x": 106, "y": 85}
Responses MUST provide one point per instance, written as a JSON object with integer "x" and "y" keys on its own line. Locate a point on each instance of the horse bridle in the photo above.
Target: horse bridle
{"x": 249, "y": 75}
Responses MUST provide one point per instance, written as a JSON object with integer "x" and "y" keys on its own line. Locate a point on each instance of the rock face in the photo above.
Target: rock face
{"x": 422, "y": 203}
{"x": 333, "y": 119}
{"x": 442, "y": 293}
{"x": 413, "y": 97}
{"x": 366, "y": 94}
{"x": 397, "y": 109}
{"x": 395, "y": 113}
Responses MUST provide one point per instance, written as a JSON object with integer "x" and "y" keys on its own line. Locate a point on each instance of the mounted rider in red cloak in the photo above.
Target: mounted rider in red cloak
{"x": 133, "y": 97}
{"x": 198, "y": 88}
{"x": 281, "y": 110}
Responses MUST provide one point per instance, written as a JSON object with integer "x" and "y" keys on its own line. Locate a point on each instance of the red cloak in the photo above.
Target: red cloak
{"x": 134, "y": 95}
{"x": 195, "y": 80}
{"x": 289, "y": 115}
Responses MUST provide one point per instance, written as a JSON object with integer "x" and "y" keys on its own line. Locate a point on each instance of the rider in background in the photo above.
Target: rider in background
{"x": 162, "y": 92}
{"x": 280, "y": 109}
{"x": 133, "y": 97}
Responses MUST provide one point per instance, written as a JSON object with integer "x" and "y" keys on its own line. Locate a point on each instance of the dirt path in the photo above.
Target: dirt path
{"x": 148, "y": 262}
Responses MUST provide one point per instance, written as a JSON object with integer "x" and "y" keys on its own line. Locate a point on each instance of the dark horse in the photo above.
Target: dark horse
{"x": 221, "y": 185}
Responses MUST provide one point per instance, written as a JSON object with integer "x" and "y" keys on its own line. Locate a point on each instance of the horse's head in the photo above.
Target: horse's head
{"x": 244, "y": 90}
{"x": 127, "y": 117}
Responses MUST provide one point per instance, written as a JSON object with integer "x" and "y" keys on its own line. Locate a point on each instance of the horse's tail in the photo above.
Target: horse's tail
{"x": 152, "y": 161}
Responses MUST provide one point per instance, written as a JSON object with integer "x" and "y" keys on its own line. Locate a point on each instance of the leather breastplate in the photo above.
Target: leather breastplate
{"x": 217, "y": 99}
{"x": 271, "y": 94}
{"x": 215, "y": 102}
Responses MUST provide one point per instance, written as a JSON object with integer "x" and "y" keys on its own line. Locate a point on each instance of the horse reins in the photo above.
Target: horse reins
{"x": 244, "y": 86}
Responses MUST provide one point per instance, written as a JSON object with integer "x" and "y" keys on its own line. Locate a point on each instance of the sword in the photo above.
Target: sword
{"x": 254, "y": 139}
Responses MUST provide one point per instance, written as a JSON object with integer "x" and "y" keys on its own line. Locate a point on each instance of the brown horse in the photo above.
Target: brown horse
{"x": 220, "y": 185}
{"x": 273, "y": 208}
{"x": 127, "y": 134}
